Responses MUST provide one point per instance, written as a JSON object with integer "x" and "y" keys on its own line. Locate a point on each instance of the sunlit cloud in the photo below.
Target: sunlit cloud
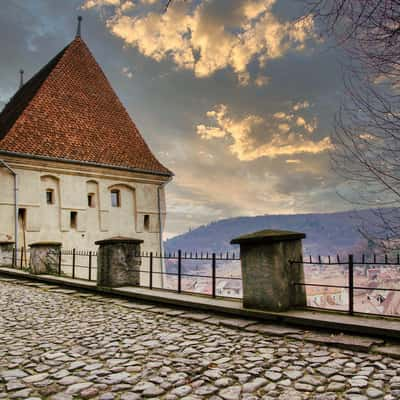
{"x": 193, "y": 39}
{"x": 283, "y": 138}
{"x": 100, "y": 3}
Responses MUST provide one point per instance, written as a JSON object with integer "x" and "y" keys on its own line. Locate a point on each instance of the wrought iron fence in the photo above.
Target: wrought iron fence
{"x": 75, "y": 264}
{"x": 211, "y": 275}
{"x": 353, "y": 284}
{"x": 206, "y": 277}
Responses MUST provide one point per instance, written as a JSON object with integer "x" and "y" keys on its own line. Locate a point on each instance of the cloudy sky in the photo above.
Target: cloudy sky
{"x": 234, "y": 96}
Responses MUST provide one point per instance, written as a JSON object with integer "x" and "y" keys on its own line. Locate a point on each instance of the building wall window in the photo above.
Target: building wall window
{"x": 146, "y": 223}
{"x": 91, "y": 200}
{"x": 22, "y": 217}
{"x": 50, "y": 196}
{"x": 115, "y": 198}
{"x": 73, "y": 220}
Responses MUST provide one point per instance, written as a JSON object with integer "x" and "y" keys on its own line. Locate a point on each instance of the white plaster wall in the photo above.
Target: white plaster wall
{"x": 71, "y": 185}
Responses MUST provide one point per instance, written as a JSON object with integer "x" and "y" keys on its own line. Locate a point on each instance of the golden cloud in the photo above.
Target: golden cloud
{"x": 286, "y": 139}
{"x": 189, "y": 36}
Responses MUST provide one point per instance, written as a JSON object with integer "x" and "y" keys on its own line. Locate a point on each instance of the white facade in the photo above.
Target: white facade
{"x": 72, "y": 203}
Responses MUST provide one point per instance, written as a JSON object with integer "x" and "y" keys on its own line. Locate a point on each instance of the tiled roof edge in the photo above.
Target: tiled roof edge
{"x": 88, "y": 163}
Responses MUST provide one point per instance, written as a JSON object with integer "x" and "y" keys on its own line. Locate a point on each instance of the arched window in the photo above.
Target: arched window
{"x": 115, "y": 198}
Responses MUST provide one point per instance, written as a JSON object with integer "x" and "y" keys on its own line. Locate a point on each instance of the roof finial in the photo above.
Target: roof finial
{"x": 78, "y": 31}
{"x": 21, "y": 78}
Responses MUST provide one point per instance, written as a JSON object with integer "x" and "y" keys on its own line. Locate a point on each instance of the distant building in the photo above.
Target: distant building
{"x": 229, "y": 288}
{"x": 82, "y": 170}
{"x": 326, "y": 296}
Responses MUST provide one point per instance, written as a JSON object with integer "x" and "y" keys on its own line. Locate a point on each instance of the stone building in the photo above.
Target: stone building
{"x": 73, "y": 166}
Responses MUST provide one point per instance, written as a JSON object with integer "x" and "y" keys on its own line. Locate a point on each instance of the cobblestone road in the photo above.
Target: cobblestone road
{"x": 65, "y": 345}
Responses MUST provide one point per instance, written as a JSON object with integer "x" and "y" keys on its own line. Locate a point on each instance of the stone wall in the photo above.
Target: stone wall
{"x": 268, "y": 276}
{"x": 44, "y": 257}
{"x": 6, "y": 253}
{"x": 118, "y": 262}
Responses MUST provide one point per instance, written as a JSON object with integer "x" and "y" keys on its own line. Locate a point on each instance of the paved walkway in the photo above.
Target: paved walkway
{"x": 61, "y": 344}
{"x": 375, "y": 326}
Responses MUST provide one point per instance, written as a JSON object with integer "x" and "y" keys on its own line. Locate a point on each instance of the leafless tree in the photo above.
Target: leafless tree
{"x": 367, "y": 125}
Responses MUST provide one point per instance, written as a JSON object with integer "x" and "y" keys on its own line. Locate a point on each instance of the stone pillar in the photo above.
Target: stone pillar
{"x": 267, "y": 274}
{"x": 6, "y": 253}
{"x": 118, "y": 262}
{"x": 44, "y": 257}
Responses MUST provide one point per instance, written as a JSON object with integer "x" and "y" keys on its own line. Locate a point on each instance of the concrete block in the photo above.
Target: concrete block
{"x": 118, "y": 262}
{"x": 268, "y": 276}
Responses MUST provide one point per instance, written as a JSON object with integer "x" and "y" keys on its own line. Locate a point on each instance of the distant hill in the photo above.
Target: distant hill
{"x": 327, "y": 234}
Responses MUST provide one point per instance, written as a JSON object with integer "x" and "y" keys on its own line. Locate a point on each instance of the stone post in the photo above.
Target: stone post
{"x": 44, "y": 257}
{"x": 267, "y": 274}
{"x": 118, "y": 262}
{"x": 6, "y": 253}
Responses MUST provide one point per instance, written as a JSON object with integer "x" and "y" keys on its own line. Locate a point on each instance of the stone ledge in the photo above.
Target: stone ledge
{"x": 268, "y": 236}
{"x": 356, "y": 343}
{"x": 118, "y": 240}
{"x": 388, "y": 350}
{"x": 41, "y": 244}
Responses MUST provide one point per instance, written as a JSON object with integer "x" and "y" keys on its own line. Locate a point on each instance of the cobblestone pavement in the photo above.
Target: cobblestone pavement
{"x": 64, "y": 344}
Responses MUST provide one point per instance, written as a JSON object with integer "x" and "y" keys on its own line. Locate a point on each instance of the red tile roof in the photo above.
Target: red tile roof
{"x": 69, "y": 111}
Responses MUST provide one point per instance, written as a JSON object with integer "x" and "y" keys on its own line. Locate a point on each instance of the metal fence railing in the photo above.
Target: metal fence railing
{"x": 208, "y": 274}
{"x": 202, "y": 273}
{"x": 368, "y": 285}
{"x": 75, "y": 264}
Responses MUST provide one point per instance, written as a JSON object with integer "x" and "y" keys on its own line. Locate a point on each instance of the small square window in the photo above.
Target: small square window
{"x": 50, "y": 196}
{"x": 115, "y": 198}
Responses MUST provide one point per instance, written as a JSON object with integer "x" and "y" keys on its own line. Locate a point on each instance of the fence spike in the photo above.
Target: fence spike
{"x": 374, "y": 258}
{"x": 329, "y": 259}
{"x": 386, "y": 258}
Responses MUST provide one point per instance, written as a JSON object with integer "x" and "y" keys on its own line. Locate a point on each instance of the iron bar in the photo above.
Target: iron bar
{"x": 214, "y": 273}
{"x": 179, "y": 271}
{"x": 90, "y": 265}
{"x": 351, "y": 284}
{"x": 59, "y": 262}
{"x": 151, "y": 271}
{"x": 73, "y": 263}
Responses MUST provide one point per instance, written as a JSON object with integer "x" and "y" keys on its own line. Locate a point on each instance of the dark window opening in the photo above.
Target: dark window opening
{"x": 50, "y": 196}
{"x": 74, "y": 220}
{"x": 22, "y": 216}
{"x": 146, "y": 223}
{"x": 91, "y": 202}
{"x": 115, "y": 198}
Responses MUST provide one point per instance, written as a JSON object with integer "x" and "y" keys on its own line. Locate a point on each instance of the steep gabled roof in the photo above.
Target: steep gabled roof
{"x": 69, "y": 111}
